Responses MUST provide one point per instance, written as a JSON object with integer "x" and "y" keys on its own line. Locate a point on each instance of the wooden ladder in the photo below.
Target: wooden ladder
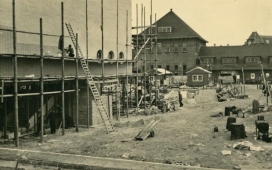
{"x": 97, "y": 98}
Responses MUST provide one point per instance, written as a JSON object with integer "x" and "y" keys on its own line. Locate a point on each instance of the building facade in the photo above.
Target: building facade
{"x": 174, "y": 45}
{"x": 245, "y": 61}
{"x": 198, "y": 77}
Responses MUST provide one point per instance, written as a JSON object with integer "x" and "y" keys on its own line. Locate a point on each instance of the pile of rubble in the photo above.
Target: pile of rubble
{"x": 230, "y": 92}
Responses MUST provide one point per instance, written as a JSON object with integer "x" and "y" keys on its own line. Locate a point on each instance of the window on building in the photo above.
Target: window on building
{"x": 184, "y": 69}
{"x": 151, "y": 67}
{"x": 270, "y": 59}
{"x": 111, "y": 55}
{"x": 228, "y": 61}
{"x": 167, "y": 49}
{"x": 206, "y": 60}
{"x": 159, "y": 46}
{"x": 121, "y": 55}
{"x": 159, "y": 66}
{"x": 176, "y": 67}
{"x": 252, "y": 59}
{"x": 184, "y": 48}
{"x": 176, "y": 48}
{"x": 168, "y": 67}
{"x": 99, "y": 54}
{"x": 197, "y": 78}
{"x": 165, "y": 29}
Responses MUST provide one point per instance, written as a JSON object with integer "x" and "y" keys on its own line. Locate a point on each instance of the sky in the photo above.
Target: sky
{"x": 220, "y": 22}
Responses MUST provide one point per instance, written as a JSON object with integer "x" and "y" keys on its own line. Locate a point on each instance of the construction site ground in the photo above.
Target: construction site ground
{"x": 184, "y": 138}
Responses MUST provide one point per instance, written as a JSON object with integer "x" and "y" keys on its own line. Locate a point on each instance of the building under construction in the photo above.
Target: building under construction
{"x": 37, "y": 76}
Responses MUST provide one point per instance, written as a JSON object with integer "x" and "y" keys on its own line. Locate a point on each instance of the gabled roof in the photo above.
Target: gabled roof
{"x": 179, "y": 28}
{"x": 253, "y": 36}
{"x": 198, "y": 68}
{"x": 257, "y": 38}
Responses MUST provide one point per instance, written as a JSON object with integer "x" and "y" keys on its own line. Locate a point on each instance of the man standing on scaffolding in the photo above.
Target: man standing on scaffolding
{"x": 70, "y": 51}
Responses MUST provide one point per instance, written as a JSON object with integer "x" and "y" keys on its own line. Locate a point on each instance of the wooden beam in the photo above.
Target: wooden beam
{"x": 77, "y": 90}
{"x": 41, "y": 77}
{"x": 16, "y": 121}
{"x": 63, "y": 75}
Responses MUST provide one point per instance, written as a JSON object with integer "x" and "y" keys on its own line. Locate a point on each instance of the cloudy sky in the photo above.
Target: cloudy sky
{"x": 220, "y": 22}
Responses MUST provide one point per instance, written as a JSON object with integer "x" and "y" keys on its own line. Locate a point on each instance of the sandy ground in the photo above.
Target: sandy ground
{"x": 183, "y": 137}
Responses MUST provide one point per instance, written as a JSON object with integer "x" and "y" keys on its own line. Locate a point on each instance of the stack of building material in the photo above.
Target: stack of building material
{"x": 230, "y": 92}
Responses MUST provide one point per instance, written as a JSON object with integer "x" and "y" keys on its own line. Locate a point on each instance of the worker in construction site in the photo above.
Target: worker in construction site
{"x": 70, "y": 51}
{"x": 265, "y": 89}
{"x": 180, "y": 99}
{"x": 52, "y": 119}
{"x": 38, "y": 123}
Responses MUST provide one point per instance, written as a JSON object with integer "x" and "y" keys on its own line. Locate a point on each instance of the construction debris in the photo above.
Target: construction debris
{"x": 246, "y": 145}
{"x": 225, "y": 152}
{"x": 230, "y": 92}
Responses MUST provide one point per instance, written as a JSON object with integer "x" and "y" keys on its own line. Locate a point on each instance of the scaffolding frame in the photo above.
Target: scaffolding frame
{"x": 44, "y": 80}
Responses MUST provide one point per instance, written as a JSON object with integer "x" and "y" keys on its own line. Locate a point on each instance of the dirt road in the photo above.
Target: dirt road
{"x": 183, "y": 137}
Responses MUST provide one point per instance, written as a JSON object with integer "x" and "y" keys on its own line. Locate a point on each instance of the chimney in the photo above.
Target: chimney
{"x": 214, "y": 44}
{"x": 227, "y": 44}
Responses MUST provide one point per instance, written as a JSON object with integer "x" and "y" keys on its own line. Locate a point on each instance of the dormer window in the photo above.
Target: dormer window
{"x": 165, "y": 29}
{"x": 206, "y": 60}
{"x": 252, "y": 59}
{"x": 229, "y": 61}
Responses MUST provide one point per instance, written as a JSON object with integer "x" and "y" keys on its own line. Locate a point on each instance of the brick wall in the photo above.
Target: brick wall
{"x": 174, "y": 58}
{"x": 95, "y": 117}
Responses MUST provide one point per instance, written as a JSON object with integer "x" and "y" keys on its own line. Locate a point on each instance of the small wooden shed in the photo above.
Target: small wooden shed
{"x": 198, "y": 77}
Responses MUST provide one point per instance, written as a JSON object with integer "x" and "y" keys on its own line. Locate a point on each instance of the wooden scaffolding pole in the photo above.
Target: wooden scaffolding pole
{"x": 77, "y": 90}
{"x": 5, "y": 119}
{"x": 102, "y": 39}
{"x": 144, "y": 55}
{"x": 27, "y": 112}
{"x": 87, "y": 54}
{"x": 63, "y": 76}
{"x": 117, "y": 53}
{"x": 144, "y": 61}
{"x": 41, "y": 76}
{"x": 137, "y": 43}
{"x": 16, "y": 121}
{"x": 126, "y": 62}
{"x": 156, "y": 52}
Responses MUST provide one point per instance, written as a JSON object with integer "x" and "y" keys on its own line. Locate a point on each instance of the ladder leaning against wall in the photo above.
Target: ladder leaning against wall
{"x": 99, "y": 103}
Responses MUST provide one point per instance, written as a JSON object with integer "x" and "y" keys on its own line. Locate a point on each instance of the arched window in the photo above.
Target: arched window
{"x": 111, "y": 55}
{"x": 121, "y": 55}
{"x": 99, "y": 54}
